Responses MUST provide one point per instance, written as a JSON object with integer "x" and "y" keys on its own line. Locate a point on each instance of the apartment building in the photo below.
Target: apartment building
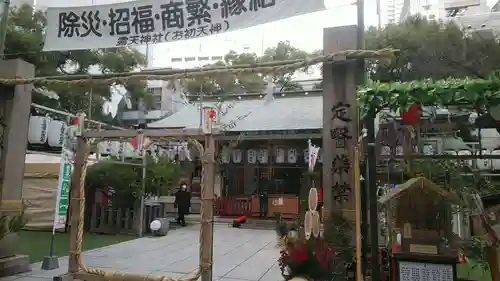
{"x": 399, "y": 10}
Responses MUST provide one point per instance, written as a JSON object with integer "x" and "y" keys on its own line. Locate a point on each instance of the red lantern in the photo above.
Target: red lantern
{"x": 211, "y": 114}
{"x": 413, "y": 115}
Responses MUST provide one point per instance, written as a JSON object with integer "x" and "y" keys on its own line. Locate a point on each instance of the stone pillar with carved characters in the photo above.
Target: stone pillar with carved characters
{"x": 340, "y": 124}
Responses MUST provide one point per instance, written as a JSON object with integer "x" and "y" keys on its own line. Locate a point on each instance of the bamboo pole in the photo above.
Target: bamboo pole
{"x": 357, "y": 194}
{"x": 207, "y": 199}
{"x": 76, "y": 198}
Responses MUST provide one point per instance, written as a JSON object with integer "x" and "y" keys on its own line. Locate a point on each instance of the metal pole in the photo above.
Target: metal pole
{"x": 372, "y": 173}
{"x": 3, "y": 25}
{"x": 357, "y": 192}
{"x": 364, "y": 219}
{"x": 143, "y": 190}
{"x": 372, "y": 199}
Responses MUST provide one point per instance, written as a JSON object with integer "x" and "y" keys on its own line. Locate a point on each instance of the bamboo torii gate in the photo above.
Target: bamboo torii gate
{"x": 78, "y": 197}
{"x": 338, "y": 81}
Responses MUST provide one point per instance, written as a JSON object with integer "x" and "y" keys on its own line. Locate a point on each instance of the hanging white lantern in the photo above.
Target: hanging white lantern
{"x": 484, "y": 164}
{"x": 306, "y": 156}
{"x": 237, "y": 156}
{"x": 251, "y": 156}
{"x": 171, "y": 153}
{"x": 56, "y": 133}
{"x": 428, "y": 149}
{"x": 225, "y": 155}
{"x": 399, "y": 150}
{"x": 385, "y": 150}
{"x": 280, "y": 155}
{"x": 162, "y": 152}
{"x": 263, "y": 155}
{"x": 105, "y": 147}
{"x": 464, "y": 153}
{"x": 292, "y": 155}
{"x": 181, "y": 153}
{"x": 495, "y": 163}
{"x": 186, "y": 151}
{"x": 70, "y": 139}
{"x": 37, "y": 132}
{"x": 121, "y": 149}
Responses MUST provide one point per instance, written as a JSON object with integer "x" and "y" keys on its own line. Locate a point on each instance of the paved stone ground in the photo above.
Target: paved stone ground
{"x": 239, "y": 255}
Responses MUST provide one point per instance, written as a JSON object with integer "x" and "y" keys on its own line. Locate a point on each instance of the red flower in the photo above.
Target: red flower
{"x": 323, "y": 253}
{"x": 299, "y": 253}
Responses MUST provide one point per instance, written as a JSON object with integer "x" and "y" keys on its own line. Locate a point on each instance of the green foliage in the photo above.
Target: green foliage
{"x": 248, "y": 82}
{"x": 431, "y": 49}
{"x": 474, "y": 249}
{"x": 453, "y": 175}
{"x": 430, "y": 52}
{"x": 467, "y": 92}
{"x": 162, "y": 176}
{"x": 25, "y": 40}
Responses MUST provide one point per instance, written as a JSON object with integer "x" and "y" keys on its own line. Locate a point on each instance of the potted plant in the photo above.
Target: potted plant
{"x": 10, "y": 225}
{"x": 318, "y": 258}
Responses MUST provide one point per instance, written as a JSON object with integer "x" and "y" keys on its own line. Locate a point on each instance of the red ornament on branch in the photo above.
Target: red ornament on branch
{"x": 211, "y": 114}
{"x": 413, "y": 115}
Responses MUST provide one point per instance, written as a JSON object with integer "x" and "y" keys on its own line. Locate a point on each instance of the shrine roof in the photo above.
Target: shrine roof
{"x": 284, "y": 113}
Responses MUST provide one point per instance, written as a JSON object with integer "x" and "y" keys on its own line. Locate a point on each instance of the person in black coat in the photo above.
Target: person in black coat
{"x": 182, "y": 203}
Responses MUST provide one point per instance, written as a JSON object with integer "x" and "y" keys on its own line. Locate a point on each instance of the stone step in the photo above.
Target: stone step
{"x": 14, "y": 265}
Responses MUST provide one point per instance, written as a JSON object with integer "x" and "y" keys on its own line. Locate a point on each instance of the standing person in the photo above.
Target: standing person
{"x": 264, "y": 197}
{"x": 182, "y": 203}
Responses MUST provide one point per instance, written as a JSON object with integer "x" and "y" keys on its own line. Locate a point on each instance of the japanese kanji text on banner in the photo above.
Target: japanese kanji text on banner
{"x": 150, "y": 22}
{"x": 62, "y": 203}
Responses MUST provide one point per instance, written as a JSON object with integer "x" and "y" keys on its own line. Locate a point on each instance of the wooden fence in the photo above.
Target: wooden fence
{"x": 109, "y": 220}
{"x": 233, "y": 206}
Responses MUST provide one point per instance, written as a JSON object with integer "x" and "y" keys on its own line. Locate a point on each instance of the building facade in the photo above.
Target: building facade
{"x": 399, "y": 10}
{"x": 167, "y": 97}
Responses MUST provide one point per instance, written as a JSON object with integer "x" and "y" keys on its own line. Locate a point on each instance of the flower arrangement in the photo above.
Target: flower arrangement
{"x": 319, "y": 258}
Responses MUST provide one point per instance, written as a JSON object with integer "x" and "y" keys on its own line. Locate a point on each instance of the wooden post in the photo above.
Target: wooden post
{"x": 339, "y": 122}
{"x": 493, "y": 260}
{"x": 76, "y": 200}
{"x": 207, "y": 201}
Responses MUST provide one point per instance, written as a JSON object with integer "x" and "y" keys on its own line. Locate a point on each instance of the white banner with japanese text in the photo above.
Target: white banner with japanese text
{"x": 145, "y": 22}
